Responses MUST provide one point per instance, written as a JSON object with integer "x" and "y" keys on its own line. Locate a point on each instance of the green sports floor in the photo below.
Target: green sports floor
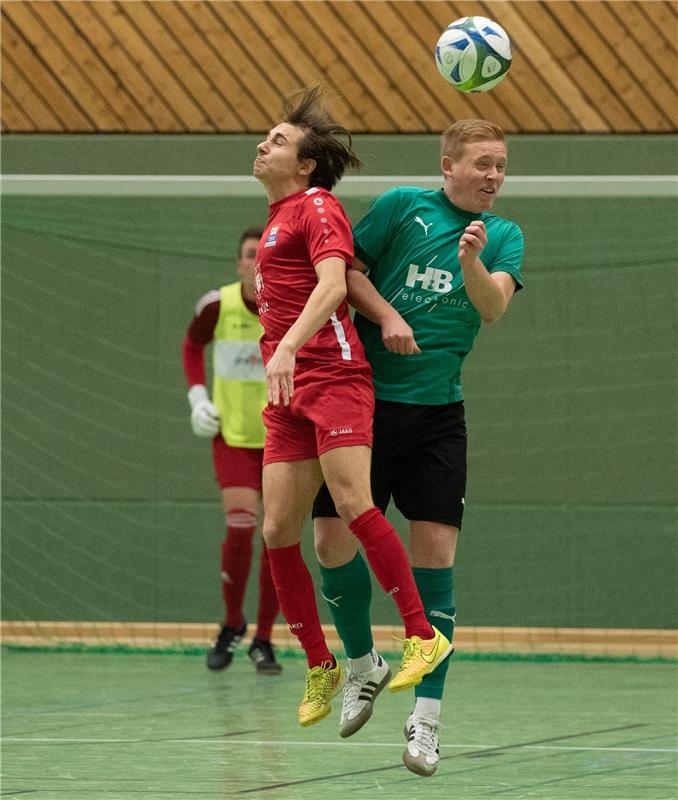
{"x": 111, "y": 726}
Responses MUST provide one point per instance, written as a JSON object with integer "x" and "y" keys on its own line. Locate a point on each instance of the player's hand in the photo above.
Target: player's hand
{"x": 472, "y": 242}
{"x": 398, "y": 337}
{"x": 280, "y": 376}
{"x": 205, "y": 419}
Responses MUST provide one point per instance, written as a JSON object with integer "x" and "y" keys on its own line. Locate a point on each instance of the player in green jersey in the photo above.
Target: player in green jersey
{"x": 431, "y": 266}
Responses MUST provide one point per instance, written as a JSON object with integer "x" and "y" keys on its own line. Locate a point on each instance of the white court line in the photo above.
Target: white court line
{"x": 350, "y": 186}
{"x": 333, "y": 743}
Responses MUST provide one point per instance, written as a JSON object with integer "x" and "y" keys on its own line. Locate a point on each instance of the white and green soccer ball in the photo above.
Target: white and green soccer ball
{"x": 473, "y": 54}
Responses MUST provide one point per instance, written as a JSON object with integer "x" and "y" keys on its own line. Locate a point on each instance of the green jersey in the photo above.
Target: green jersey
{"x": 409, "y": 240}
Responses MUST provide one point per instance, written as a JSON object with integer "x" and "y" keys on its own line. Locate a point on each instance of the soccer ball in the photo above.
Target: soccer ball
{"x": 473, "y": 54}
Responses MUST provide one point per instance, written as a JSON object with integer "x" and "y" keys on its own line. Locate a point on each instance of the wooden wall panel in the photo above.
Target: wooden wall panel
{"x": 39, "y": 75}
{"x": 548, "y": 51}
{"x": 616, "y": 78}
{"x": 36, "y": 111}
{"x": 135, "y": 25}
{"x": 662, "y": 55}
{"x": 14, "y": 112}
{"x": 638, "y": 67}
{"x": 45, "y": 40}
{"x": 337, "y": 71}
{"x": 600, "y": 66}
{"x": 119, "y": 111}
{"x": 124, "y": 71}
{"x": 573, "y": 43}
{"x": 271, "y": 76}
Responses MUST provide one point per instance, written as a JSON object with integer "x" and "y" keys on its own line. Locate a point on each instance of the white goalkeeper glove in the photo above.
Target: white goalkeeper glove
{"x": 204, "y": 415}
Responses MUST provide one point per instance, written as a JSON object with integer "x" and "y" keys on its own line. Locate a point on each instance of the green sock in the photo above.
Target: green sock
{"x": 436, "y": 588}
{"x": 348, "y": 593}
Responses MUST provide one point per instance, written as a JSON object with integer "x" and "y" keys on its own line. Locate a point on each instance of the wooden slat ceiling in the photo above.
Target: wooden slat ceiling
{"x": 142, "y": 66}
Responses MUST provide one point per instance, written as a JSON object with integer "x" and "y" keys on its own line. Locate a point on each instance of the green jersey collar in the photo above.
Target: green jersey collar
{"x": 470, "y": 215}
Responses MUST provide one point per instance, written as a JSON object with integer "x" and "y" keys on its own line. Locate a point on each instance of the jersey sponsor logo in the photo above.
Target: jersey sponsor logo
{"x": 252, "y": 361}
{"x": 423, "y": 225}
{"x": 432, "y": 301}
{"x": 272, "y": 237}
{"x": 239, "y": 361}
{"x": 435, "y": 280}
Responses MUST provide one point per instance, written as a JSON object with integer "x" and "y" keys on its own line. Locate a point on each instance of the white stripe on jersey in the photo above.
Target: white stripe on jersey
{"x": 213, "y": 296}
{"x": 341, "y": 338}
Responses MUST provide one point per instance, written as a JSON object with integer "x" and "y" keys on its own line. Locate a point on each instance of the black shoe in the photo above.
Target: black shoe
{"x": 221, "y": 655}
{"x": 262, "y": 655}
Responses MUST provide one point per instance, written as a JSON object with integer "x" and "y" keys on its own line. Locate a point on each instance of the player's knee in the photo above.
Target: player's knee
{"x": 335, "y": 551}
{"x": 350, "y": 505}
{"x": 278, "y": 532}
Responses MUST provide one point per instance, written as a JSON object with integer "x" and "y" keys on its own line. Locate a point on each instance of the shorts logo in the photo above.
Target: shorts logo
{"x": 296, "y": 625}
{"x": 340, "y": 431}
{"x": 272, "y": 237}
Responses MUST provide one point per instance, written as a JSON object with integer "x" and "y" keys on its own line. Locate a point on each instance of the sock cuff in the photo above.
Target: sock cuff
{"x": 364, "y": 519}
{"x": 280, "y": 554}
{"x": 356, "y": 563}
{"x": 434, "y": 580}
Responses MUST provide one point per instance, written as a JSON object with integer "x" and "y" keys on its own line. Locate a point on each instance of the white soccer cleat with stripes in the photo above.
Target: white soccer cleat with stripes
{"x": 360, "y": 692}
{"x": 422, "y": 752}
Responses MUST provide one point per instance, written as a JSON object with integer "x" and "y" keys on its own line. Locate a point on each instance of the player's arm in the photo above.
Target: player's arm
{"x": 490, "y": 292}
{"x": 321, "y": 304}
{"x": 396, "y": 334}
{"x": 204, "y": 415}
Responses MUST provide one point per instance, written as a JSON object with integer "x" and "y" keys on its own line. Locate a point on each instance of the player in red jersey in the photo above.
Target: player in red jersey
{"x": 320, "y": 395}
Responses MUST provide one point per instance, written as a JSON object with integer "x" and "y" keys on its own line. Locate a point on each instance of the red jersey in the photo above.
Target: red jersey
{"x": 302, "y": 230}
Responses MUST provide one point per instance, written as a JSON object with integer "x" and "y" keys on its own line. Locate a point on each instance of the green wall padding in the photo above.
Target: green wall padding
{"x": 110, "y": 508}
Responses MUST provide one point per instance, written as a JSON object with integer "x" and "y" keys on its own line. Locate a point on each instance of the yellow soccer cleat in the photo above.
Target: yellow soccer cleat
{"x": 322, "y": 683}
{"x": 420, "y": 656}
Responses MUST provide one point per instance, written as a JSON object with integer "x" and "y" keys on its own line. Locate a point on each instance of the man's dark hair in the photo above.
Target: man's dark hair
{"x": 250, "y": 233}
{"x": 321, "y": 140}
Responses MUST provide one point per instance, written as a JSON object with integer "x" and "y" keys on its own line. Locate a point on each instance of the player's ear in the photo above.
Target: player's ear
{"x": 446, "y": 165}
{"x": 306, "y": 166}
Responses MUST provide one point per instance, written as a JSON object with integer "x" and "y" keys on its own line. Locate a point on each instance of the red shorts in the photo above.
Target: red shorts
{"x": 332, "y": 406}
{"x": 236, "y": 466}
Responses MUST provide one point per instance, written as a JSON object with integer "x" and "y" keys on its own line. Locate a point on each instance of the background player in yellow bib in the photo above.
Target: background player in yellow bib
{"x": 439, "y": 263}
{"x": 231, "y": 418}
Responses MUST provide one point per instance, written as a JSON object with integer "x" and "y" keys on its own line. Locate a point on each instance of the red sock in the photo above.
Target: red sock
{"x": 268, "y": 599}
{"x": 236, "y": 559}
{"x": 297, "y": 601}
{"x": 388, "y": 558}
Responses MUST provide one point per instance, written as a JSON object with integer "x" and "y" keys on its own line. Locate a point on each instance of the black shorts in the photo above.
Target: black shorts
{"x": 418, "y": 459}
